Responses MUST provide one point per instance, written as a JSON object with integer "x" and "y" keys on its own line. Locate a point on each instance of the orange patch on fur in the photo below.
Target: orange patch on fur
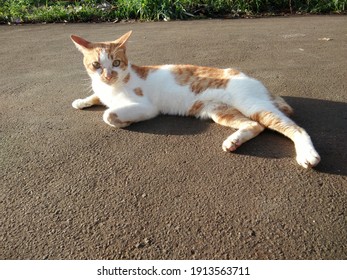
{"x": 200, "y": 78}
{"x": 114, "y": 120}
{"x": 143, "y": 71}
{"x": 94, "y": 100}
{"x": 231, "y": 117}
{"x": 88, "y": 59}
{"x": 120, "y": 55}
{"x": 281, "y": 104}
{"x": 126, "y": 78}
{"x": 233, "y": 72}
{"x": 228, "y": 116}
{"x": 196, "y": 108}
{"x": 271, "y": 121}
{"x": 225, "y": 118}
{"x": 138, "y": 91}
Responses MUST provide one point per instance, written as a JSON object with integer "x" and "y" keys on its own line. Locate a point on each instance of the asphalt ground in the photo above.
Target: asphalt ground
{"x": 74, "y": 188}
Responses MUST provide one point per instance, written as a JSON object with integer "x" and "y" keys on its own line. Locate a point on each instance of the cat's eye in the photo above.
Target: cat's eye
{"x": 96, "y": 65}
{"x": 116, "y": 63}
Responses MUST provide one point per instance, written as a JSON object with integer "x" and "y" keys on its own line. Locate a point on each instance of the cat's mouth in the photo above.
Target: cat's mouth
{"x": 110, "y": 79}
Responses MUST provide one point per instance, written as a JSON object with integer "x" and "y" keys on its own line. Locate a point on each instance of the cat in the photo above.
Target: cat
{"x": 227, "y": 96}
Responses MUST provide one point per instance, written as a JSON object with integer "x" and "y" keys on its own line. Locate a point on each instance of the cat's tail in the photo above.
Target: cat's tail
{"x": 281, "y": 104}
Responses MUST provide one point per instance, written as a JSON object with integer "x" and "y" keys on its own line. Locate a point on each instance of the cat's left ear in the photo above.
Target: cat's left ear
{"x": 123, "y": 39}
{"x": 80, "y": 43}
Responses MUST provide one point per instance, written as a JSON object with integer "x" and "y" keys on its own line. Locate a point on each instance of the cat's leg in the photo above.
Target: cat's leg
{"x": 306, "y": 155}
{"x": 246, "y": 128}
{"x": 86, "y": 102}
{"x": 124, "y": 116}
{"x": 111, "y": 118}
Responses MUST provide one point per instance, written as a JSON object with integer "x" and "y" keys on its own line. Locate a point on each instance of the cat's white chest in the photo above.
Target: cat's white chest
{"x": 109, "y": 95}
{"x": 103, "y": 91}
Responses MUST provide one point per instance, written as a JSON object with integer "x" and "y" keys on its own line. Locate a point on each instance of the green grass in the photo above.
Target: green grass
{"x": 17, "y": 11}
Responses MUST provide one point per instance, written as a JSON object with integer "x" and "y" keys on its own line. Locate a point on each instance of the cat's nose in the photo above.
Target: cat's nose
{"x": 108, "y": 75}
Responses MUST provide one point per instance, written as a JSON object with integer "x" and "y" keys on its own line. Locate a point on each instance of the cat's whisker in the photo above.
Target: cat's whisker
{"x": 86, "y": 84}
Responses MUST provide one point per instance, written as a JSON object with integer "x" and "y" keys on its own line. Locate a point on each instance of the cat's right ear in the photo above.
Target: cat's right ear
{"x": 81, "y": 44}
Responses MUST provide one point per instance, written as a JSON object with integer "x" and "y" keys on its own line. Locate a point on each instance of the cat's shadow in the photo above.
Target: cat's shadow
{"x": 325, "y": 121}
{"x": 171, "y": 125}
{"x": 164, "y": 124}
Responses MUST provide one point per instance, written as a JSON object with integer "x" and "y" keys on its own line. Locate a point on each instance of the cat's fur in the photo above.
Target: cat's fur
{"x": 230, "y": 98}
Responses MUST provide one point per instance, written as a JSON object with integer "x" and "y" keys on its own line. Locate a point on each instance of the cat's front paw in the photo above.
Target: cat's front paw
{"x": 80, "y": 104}
{"x": 112, "y": 119}
{"x": 307, "y": 158}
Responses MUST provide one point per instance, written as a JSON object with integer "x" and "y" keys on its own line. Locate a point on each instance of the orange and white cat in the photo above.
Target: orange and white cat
{"x": 136, "y": 93}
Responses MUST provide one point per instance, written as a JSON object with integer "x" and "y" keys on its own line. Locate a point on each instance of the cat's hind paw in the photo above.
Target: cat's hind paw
{"x": 308, "y": 158}
{"x": 230, "y": 144}
{"x": 80, "y": 104}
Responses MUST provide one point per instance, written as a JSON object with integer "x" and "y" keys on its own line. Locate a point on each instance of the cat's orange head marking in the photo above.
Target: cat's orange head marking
{"x": 107, "y": 59}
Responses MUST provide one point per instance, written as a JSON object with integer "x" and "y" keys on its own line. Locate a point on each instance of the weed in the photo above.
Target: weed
{"x": 109, "y": 10}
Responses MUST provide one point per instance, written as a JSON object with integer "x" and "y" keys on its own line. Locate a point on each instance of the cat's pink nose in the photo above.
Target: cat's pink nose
{"x": 107, "y": 74}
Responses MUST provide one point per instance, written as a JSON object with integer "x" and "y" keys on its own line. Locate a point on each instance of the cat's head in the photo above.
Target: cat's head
{"x": 106, "y": 61}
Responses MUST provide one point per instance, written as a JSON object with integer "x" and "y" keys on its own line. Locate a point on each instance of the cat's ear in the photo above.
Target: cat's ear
{"x": 81, "y": 44}
{"x": 123, "y": 39}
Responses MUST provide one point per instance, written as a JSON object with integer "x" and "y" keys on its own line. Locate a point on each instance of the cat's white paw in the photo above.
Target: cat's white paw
{"x": 231, "y": 144}
{"x": 307, "y": 157}
{"x": 112, "y": 119}
{"x": 79, "y": 104}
